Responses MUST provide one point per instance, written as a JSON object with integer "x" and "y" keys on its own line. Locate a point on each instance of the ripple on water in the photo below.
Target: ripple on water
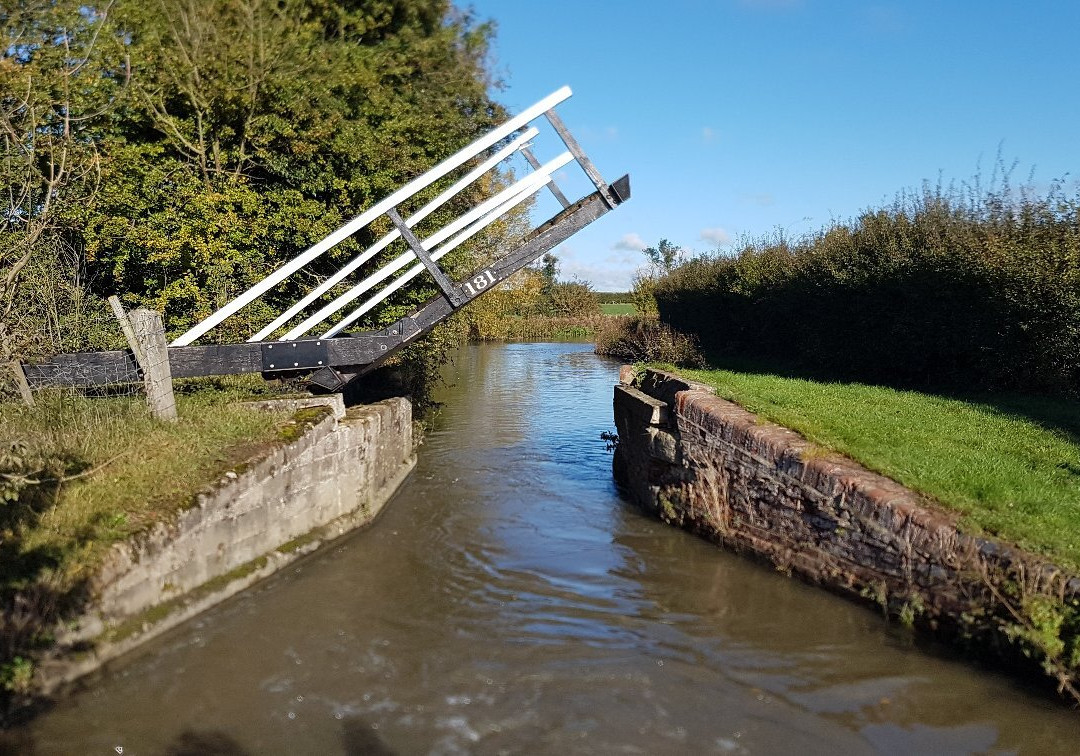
{"x": 508, "y": 600}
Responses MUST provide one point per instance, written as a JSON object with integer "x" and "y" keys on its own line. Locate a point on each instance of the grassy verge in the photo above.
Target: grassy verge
{"x": 94, "y": 471}
{"x": 1009, "y": 465}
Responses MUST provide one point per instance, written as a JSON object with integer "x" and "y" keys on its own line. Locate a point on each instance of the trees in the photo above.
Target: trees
{"x": 178, "y": 150}
{"x": 57, "y": 89}
{"x": 564, "y": 298}
{"x": 664, "y": 257}
{"x": 254, "y": 129}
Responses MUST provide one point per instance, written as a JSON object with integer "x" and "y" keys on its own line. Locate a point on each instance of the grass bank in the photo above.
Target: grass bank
{"x": 1010, "y": 465}
{"x": 80, "y": 474}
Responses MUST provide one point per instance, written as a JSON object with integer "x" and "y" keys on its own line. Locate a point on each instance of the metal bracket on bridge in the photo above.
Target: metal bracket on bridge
{"x": 581, "y": 157}
{"x": 552, "y": 186}
{"x": 449, "y": 289}
{"x": 327, "y": 379}
{"x": 294, "y": 355}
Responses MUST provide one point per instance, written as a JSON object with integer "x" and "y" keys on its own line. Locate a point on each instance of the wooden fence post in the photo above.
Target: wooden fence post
{"x": 20, "y": 381}
{"x": 150, "y": 334}
{"x": 145, "y": 334}
{"x": 129, "y": 331}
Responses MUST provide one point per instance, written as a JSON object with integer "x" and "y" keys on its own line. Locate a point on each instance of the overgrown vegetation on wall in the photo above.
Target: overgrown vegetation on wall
{"x": 953, "y": 288}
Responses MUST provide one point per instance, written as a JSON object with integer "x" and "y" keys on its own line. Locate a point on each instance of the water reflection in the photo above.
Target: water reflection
{"x": 508, "y": 600}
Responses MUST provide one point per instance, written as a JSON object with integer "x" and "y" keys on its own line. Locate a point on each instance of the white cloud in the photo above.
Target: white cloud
{"x": 708, "y": 134}
{"x": 623, "y": 257}
{"x": 601, "y": 277}
{"x": 716, "y": 235}
{"x": 630, "y": 242}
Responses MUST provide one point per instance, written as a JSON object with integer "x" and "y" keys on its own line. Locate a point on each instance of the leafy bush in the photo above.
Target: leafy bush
{"x": 176, "y": 164}
{"x": 976, "y": 290}
{"x": 647, "y": 340}
{"x": 573, "y": 299}
{"x": 643, "y": 295}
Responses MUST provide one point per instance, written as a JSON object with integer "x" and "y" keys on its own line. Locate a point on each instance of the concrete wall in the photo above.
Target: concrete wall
{"x": 712, "y": 467}
{"x": 335, "y": 476}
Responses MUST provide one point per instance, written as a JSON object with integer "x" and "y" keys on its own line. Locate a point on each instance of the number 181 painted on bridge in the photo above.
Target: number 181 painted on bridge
{"x": 478, "y": 284}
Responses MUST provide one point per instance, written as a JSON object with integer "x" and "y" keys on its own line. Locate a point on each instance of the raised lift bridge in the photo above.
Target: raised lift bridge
{"x": 335, "y": 357}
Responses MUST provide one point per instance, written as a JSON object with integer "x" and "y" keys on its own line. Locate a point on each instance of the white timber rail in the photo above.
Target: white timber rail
{"x": 429, "y": 249}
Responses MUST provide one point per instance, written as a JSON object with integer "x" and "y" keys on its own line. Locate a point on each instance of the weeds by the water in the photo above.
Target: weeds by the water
{"x": 645, "y": 339}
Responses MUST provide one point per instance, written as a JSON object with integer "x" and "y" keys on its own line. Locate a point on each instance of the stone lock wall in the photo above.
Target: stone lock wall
{"x": 709, "y": 465}
{"x": 335, "y": 476}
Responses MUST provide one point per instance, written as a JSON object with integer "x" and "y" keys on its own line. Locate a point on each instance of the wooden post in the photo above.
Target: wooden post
{"x": 150, "y": 335}
{"x": 20, "y": 381}
{"x": 129, "y": 331}
{"x": 145, "y": 334}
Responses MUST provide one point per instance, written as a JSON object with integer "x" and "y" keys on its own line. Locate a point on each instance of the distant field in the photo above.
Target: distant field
{"x": 618, "y": 308}
{"x": 615, "y": 296}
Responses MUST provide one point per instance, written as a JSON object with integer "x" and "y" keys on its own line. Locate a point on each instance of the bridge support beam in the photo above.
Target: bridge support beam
{"x": 333, "y": 362}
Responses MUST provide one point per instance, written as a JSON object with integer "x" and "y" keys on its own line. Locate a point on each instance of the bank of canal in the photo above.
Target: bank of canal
{"x": 509, "y": 600}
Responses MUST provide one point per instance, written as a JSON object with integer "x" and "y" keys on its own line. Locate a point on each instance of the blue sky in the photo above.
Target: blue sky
{"x": 738, "y": 118}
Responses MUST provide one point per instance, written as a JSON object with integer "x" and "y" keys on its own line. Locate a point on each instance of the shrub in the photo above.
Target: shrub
{"x": 643, "y": 294}
{"x": 573, "y": 299}
{"x": 942, "y": 289}
{"x": 640, "y": 339}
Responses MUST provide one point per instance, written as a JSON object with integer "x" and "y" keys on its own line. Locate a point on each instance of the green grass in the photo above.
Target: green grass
{"x": 618, "y": 308}
{"x": 111, "y": 470}
{"x": 1009, "y": 465}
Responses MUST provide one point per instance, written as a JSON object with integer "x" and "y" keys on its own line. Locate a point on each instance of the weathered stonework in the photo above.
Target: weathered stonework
{"x": 333, "y": 477}
{"x": 714, "y": 468}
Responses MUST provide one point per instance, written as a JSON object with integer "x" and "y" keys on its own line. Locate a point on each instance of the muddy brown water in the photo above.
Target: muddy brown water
{"x": 508, "y": 601}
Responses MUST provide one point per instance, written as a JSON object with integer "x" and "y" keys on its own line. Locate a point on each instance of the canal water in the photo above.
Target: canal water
{"x": 508, "y": 601}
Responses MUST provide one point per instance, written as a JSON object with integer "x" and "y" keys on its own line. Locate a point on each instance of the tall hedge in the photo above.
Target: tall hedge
{"x": 938, "y": 290}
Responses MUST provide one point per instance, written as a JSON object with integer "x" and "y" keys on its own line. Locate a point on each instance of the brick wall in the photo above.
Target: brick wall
{"x": 710, "y": 466}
